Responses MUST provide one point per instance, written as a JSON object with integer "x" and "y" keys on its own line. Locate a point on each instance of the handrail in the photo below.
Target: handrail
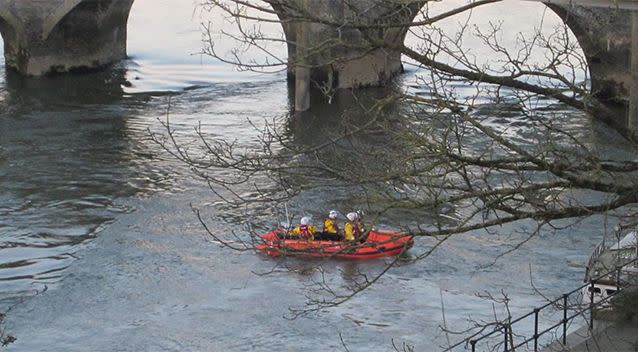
{"x": 506, "y": 328}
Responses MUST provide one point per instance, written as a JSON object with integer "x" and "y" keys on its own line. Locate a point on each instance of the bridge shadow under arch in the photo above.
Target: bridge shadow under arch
{"x": 92, "y": 32}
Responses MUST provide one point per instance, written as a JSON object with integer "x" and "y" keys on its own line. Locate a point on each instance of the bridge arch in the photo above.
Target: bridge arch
{"x": 364, "y": 66}
{"x": 604, "y": 35}
{"x": 63, "y": 35}
{"x": 90, "y": 33}
{"x": 605, "y": 38}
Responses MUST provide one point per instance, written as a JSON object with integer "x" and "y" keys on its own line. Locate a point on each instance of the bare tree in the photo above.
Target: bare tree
{"x": 479, "y": 145}
{"x": 456, "y": 158}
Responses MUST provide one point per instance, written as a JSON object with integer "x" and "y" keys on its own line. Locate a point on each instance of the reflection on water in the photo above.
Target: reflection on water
{"x": 71, "y": 146}
{"x": 66, "y": 155}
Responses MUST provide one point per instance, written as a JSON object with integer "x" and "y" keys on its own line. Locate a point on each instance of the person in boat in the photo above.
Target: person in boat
{"x": 360, "y": 224}
{"x": 363, "y": 233}
{"x": 305, "y": 230}
{"x": 330, "y": 228}
{"x": 351, "y": 229}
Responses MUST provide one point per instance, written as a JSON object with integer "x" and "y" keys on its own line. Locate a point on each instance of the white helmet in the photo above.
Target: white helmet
{"x": 333, "y": 214}
{"x": 351, "y": 216}
{"x": 305, "y": 220}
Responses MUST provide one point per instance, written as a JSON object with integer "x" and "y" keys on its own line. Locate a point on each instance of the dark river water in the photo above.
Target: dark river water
{"x": 100, "y": 251}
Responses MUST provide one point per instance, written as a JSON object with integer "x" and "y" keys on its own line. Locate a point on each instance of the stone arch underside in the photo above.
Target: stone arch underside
{"x": 604, "y": 36}
{"x": 338, "y": 54}
{"x": 289, "y": 30}
{"x": 90, "y": 35}
{"x": 63, "y": 35}
{"x": 54, "y": 17}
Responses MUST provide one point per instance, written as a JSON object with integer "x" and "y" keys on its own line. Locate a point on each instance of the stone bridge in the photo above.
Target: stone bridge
{"x": 51, "y": 36}
{"x": 54, "y": 36}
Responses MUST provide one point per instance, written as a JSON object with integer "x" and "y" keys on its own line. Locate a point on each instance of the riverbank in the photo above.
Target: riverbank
{"x": 604, "y": 337}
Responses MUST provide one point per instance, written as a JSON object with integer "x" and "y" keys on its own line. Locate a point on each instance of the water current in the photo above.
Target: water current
{"x": 99, "y": 250}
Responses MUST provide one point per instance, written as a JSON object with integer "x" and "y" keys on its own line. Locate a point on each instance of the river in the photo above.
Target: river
{"x": 100, "y": 251}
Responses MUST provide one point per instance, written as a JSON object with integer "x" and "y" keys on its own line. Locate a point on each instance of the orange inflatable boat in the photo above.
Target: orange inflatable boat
{"x": 379, "y": 243}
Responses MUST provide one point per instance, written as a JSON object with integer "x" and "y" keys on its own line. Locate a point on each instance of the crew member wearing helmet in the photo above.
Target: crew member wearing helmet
{"x": 330, "y": 228}
{"x": 304, "y": 230}
{"x": 351, "y": 229}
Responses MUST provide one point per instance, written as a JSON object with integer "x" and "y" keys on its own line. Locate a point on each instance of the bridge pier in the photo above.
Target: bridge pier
{"x": 63, "y": 35}
{"x": 609, "y": 39}
{"x": 337, "y": 58}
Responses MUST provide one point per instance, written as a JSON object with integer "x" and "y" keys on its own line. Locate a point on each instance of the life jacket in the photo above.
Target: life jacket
{"x": 330, "y": 226}
{"x": 304, "y": 231}
{"x": 355, "y": 231}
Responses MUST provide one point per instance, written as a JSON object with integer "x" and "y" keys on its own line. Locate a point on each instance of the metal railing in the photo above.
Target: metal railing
{"x": 595, "y": 253}
{"x": 506, "y": 328}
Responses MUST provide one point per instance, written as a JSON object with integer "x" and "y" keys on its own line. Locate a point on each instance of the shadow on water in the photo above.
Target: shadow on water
{"x": 345, "y": 108}
{"x": 103, "y": 87}
{"x": 356, "y": 134}
{"x": 354, "y": 124}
